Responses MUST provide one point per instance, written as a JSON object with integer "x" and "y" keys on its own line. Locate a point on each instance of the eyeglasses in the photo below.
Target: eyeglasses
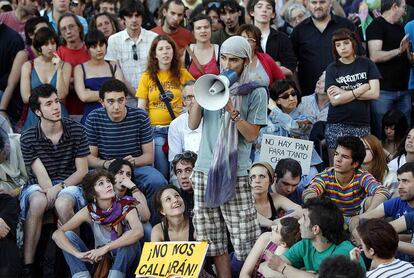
{"x": 214, "y": 4}
{"x": 286, "y": 96}
{"x": 187, "y": 155}
{"x": 74, "y": 4}
{"x": 135, "y": 52}
{"x": 189, "y": 98}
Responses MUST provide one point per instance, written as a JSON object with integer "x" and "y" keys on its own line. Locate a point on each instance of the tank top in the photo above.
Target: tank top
{"x": 190, "y": 232}
{"x": 273, "y": 215}
{"x": 94, "y": 84}
{"x": 271, "y": 246}
{"x": 211, "y": 67}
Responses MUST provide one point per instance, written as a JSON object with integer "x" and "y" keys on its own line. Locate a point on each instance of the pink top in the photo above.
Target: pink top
{"x": 271, "y": 246}
{"x": 210, "y": 67}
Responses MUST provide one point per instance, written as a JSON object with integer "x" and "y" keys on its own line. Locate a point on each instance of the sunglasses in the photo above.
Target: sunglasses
{"x": 214, "y": 4}
{"x": 187, "y": 155}
{"x": 135, "y": 52}
{"x": 286, "y": 96}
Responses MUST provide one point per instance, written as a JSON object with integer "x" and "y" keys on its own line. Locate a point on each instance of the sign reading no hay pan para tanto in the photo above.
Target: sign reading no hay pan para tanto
{"x": 275, "y": 148}
{"x": 172, "y": 259}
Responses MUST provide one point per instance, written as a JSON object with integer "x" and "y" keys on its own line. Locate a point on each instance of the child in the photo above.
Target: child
{"x": 284, "y": 234}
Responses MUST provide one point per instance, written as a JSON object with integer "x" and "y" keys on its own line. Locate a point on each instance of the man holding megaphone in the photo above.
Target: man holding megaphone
{"x": 233, "y": 109}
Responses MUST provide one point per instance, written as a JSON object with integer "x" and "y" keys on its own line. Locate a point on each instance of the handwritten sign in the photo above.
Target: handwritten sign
{"x": 274, "y": 148}
{"x": 171, "y": 259}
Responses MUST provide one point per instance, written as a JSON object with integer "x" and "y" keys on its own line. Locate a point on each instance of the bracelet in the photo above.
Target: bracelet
{"x": 284, "y": 268}
{"x": 63, "y": 184}
{"x": 103, "y": 165}
{"x": 354, "y": 94}
{"x": 237, "y": 117}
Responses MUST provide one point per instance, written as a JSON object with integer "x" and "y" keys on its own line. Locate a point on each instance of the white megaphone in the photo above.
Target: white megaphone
{"x": 212, "y": 91}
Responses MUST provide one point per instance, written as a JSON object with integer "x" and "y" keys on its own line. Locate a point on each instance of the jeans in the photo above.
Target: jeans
{"x": 400, "y": 100}
{"x": 123, "y": 260}
{"x": 160, "y": 158}
{"x": 149, "y": 180}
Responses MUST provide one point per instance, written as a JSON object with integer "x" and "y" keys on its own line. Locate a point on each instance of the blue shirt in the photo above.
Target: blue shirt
{"x": 396, "y": 208}
{"x": 53, "y": 23}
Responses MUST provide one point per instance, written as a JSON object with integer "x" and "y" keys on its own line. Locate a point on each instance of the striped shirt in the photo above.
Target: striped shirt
{"x": 59, "y": 159}
{"x": 396, "y": 269}
{"x": 349, "y": 197}
{"x": 118, "y": 139}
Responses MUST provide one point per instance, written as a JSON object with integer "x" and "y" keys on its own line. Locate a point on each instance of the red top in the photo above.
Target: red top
{"x": 182, "y": 37}
{"x": 73, "y": 57}
{"x": 210, "y": 67}
{"x": 272, "y": 69}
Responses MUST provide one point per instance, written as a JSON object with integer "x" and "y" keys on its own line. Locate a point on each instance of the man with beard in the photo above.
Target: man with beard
{"x": 230, "y": 15}
{"x": 55, "y": 153}
{"x": 395, "y": 207}
{"x": 16, "y": 19}
{"x": 388, "y": 49}
{"x": 312, "y": 42}
{"x": 323, "y": 236}
{"x": 173, "y": 15}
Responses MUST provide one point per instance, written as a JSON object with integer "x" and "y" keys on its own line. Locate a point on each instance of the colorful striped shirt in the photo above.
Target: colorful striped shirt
{"x": 348, "y": 197}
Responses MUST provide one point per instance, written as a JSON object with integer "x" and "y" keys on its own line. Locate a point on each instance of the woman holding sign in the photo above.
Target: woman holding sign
{"x": 115, "y": 225}
{"x": 351, "y": 83}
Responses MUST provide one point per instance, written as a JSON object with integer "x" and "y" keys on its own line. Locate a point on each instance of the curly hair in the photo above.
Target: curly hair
{"x": 88, "y": 183}
{"x": 153, "y": 67}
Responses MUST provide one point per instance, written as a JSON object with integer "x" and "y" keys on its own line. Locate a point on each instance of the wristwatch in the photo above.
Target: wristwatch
{"x": 63, "y": 184}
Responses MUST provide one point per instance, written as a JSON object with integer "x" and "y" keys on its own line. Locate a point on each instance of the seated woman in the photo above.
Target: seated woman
{"x": 375, "y": 162}
{"x": 90, "y": 76}
{"x": 287, "y": 117}
{"x": 285, "y": 233}
{"x": 115, "y": 225}
{"x": 405, "y": 152}
{"x": 47, "y": 68}
{"x": 261, "y": 177}
{"x": 124, "y": 186}
{"x": 175, "y": 224}
{"x": 379, "y": 243}
{"x": 394, "y": 128}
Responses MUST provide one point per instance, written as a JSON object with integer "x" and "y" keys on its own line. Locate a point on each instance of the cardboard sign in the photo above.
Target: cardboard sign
{"x": 171, "y": 259}
{"x": 274, "y": 148}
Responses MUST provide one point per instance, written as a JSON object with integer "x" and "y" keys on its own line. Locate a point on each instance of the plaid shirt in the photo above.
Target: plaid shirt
{"x": 120, "y": 50}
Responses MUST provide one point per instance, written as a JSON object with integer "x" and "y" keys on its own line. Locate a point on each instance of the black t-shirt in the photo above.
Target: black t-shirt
{"x": 395, "y": 72}
{"x": 349, "y": 77}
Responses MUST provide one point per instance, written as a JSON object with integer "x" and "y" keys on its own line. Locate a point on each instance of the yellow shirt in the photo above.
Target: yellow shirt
{"x": 157, "y": 110}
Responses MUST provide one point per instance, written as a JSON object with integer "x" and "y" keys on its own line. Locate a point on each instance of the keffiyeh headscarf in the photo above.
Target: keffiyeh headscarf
{"x": 222, "y": 175}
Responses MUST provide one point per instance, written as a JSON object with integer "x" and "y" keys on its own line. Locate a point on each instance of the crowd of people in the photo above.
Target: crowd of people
{"x": 104, "y": 146}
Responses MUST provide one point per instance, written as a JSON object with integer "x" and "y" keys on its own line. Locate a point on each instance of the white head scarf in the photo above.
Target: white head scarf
{"x": 239, "y": 47}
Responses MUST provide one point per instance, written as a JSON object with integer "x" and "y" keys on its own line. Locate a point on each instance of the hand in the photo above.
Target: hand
{"x": 230, "y": 108}
{"x": 56, "y": 59}
{"x": 128, "y": 183}
{"x": 83, "y": 257}
{"x": 131, "y": 159}
{"x": 95, "y": 255}
{"x": 51, "y": 195}
{"x": 272, "y": 104}
{"x": 404, "y": 44}
{"x": 4, "y": 228}
{"x": 303, "y": 123}
{"x": 275, "y": 262}
{"x": 334, "y": 91}
{"x": 354, "y": 254}
{"x": 354, "y": 17}
{"x": 8, "y": 191}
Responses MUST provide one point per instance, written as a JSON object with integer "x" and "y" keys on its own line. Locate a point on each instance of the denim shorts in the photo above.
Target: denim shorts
{"x": 75, "y": 192}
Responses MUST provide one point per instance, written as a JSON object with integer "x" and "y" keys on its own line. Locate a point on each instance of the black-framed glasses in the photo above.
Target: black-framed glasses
{"x": 135, "y": 52}
{"x": 215, "y": 4}
{"x": 189, "y": 98}
{"x": 187, "y": 155}
{"x": 286, "y": 96}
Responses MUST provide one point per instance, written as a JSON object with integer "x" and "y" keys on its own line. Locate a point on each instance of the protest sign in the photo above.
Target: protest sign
{"x": 274, "y": 148}
{"x": 171, "y": 259}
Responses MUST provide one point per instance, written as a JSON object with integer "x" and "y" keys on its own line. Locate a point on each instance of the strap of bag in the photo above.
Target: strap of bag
{"x": 195, "y": 60}
{"x": 164, "y": 98}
